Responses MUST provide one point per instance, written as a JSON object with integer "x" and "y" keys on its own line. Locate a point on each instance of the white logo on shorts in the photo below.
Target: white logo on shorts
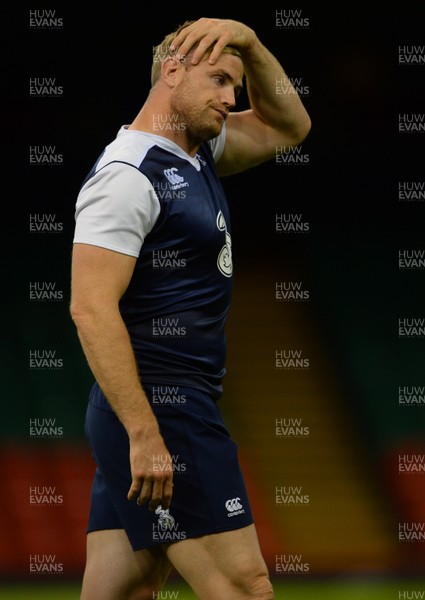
{"x": 234, "y": 507}
{"x": 165, "y": 520}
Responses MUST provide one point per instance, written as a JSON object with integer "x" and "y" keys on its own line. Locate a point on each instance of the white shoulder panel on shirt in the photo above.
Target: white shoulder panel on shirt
{"x": 116, "y": 209}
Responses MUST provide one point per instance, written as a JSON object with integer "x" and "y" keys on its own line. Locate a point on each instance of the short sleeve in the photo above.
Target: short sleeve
{"x": 116, "y": 209}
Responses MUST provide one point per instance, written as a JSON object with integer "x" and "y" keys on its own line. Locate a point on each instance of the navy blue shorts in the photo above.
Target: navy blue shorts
{"x": 209, "y": 494}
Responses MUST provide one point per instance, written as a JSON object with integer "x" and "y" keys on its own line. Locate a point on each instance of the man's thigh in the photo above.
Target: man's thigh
{"x": 223, "y": 565}
{"x": 114, "y": 571}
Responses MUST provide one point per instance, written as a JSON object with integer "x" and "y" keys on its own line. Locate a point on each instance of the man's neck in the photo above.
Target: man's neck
{"x": 157, "y": 118}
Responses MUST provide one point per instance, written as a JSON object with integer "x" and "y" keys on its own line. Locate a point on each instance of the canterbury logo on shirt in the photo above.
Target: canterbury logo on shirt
{"x": 177, "y": 181}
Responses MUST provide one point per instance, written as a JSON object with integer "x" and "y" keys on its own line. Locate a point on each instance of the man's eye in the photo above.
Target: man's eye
{"x": 219, "y": 79}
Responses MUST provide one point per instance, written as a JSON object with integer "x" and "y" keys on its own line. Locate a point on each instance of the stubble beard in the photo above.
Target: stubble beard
{"x": 198, "y": 123}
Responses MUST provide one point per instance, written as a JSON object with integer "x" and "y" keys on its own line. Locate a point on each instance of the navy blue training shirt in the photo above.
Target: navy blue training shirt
{"x": 147, "y": 198}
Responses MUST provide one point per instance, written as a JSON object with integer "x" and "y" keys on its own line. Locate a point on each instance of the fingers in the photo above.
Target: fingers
{"x": 151, "y": 469}
{"x": 205, "y": 33}
{"x": 145, "y": 492}
{"x": 187, "y": 37}
{"x": 157, "y": 490}
{"x": 167, "y": 493}
{"x": 134, "y": 490}
{"x": 205, "y": 44}
{"x": 158, "y": 496}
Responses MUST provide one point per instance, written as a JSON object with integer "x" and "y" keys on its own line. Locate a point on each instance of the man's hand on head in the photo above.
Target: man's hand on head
{"x": 212, "y": 33}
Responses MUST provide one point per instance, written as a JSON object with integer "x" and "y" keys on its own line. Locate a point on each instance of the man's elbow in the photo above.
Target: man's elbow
{"x": 301, "y": 131}
{"x": 80, "y": 314}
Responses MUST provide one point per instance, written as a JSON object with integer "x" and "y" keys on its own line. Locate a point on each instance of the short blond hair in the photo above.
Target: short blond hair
{"x": 163, "y": 51}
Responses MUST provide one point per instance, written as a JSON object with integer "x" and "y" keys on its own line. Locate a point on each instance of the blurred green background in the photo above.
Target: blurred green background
{"x": 325, "y": 590}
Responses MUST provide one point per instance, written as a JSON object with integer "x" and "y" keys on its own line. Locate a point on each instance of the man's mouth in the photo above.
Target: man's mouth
{"x": 221, "y": 112}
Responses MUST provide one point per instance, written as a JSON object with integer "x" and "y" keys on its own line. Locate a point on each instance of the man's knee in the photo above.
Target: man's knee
{"x": 255, "y": 585}
{"x": 261, "y": 588}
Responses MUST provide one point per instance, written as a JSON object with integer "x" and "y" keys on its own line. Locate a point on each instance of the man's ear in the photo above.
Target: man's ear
{"x": 171, "y": 69}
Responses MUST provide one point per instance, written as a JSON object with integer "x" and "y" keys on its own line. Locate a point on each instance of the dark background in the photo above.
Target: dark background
{"x": 348, "y": 260}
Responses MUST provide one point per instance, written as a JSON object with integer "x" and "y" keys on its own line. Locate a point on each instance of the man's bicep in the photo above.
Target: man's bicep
{"x": 99, "y": 275}
{"x": 249, "y": 142}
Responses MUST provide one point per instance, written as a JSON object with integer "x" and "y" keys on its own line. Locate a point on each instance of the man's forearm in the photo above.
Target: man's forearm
{"x": 107, "y": 347}
{"x": 264, "y": 73}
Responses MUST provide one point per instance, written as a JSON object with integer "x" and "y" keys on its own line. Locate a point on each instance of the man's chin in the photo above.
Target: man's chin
{"x": 214, "y": 131}
{"x": 208, "y": 132}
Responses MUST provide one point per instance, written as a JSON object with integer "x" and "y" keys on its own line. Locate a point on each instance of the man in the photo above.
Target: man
{"x": 151, "y": 282}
